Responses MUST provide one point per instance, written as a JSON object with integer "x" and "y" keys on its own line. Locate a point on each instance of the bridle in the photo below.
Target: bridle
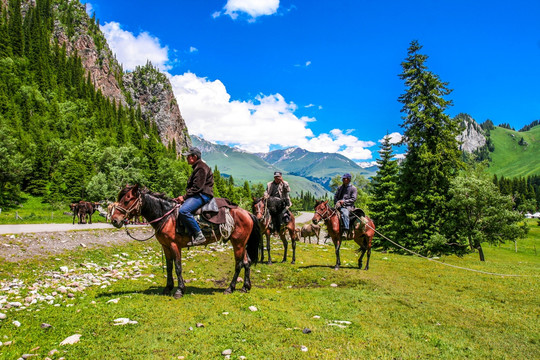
{"x": 326, "y": 211}
{"x": 265, "y": 213}
{"x": 133, "y": 210}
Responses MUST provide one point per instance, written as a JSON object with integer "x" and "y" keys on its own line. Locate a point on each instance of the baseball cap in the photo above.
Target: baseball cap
{"x": 193, "y": 151}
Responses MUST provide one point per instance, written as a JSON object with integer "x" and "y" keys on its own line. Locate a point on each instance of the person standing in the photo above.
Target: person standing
{"x": 199, "y": 191}
{"x": 344, "y": 199}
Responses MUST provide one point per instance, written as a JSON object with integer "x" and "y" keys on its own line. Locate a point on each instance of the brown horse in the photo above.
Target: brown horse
{"x": 362, "y": 231}
{"x": 161, "y": 214}
{"x": 260, "y": 209}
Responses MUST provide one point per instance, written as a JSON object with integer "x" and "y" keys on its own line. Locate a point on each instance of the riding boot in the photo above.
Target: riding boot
{"x": 198, "y": 239}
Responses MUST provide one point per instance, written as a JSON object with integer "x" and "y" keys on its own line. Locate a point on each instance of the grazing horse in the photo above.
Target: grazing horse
{"x": 157, "y": 210}
{"x": 260, "y": 209}
{"x": 310, "y": 230}
{"x": 362, "y": 232}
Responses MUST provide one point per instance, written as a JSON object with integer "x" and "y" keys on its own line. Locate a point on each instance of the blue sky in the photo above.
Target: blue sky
{"x": 323, "y": 75}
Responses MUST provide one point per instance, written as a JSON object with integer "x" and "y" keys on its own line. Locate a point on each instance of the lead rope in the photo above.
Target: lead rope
{"x": 433, "y": 260}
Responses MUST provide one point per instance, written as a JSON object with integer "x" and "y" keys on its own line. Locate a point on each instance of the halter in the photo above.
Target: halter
{"x": 265, "y": 213}
{"x": 129, "y": 213}
{"x": 322, "y": 215}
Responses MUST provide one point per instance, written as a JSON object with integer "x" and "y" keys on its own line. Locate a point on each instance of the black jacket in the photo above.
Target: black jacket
{"x": 200, "y": 181}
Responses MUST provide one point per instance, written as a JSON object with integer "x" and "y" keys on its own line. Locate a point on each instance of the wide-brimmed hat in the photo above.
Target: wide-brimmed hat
{"x": 193, "y": 151}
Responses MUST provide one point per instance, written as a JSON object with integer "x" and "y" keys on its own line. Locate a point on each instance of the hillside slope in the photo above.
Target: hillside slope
{"x": 510, "y": 159}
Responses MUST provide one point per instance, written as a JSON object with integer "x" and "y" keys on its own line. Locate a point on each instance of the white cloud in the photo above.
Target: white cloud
{"x": 395, "y": 138}
{"x": 253, "y": 8}
{"x": 308, "y": 63}
{"x": 254, "y": 125}
{"x": 193, "y": 49}
{"x": 89, "y": 9}
{"x": 132, "y": 51}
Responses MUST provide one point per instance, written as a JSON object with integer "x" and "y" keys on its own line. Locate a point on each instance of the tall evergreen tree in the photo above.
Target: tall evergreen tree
{"x": 433, "y": 157}
{"x": 383, "y": 207}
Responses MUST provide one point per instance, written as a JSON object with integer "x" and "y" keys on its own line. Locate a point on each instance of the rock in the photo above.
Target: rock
{"x": 52, "y": 352}
{"x": 199, "y": 325}
{"x": 306, "y": 331}
{"x": 124, "y": 321}
{"x": 16, "y": 323}
{"x": 334, "y": 285}
{"x": 304, "y": 348}
{"x": 316, "y": 317}
{"x": 45, "y": 326}
{"x": 226, "y": 352}
{"x": 2, "y": 316}
{"x": 70, "y": 340}
{"x": 253, "y": 308}
{"x": 28, "y": 356}
{"x": 114, "y": 301}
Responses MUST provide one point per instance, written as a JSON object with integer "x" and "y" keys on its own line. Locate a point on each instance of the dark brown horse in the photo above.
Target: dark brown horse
{"x": 160, "y": 212}
{"x": 362, "y": 231}
{"x": 260, "y": 209}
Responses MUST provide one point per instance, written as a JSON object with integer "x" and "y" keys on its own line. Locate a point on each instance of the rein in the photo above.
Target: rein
{"x": 138, "y": 205}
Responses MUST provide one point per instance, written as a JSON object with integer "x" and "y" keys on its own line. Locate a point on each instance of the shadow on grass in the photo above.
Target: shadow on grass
{"x": 158, "y": 290}
{"x": 328, "y": 266}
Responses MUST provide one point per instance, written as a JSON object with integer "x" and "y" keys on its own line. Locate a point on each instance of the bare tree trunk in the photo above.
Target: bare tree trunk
{"x": 480, "y": 251}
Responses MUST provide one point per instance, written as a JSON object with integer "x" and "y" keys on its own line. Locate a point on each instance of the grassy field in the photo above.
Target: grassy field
{"x": 34, "y": 211}
{"x": 404, "y": 307}
{"x": 511, "y": 159}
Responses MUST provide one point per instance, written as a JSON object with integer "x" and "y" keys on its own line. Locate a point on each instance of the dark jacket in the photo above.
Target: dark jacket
{"x": 200, "y": 181}
{"x": 347, "y": 194}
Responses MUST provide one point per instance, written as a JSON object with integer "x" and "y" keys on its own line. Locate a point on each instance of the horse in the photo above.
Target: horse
{"x": 309, "y": 230}
{"x": 363, "y": 230}
{"x": 158, "y": 210}
{"x": 75, "y": 209}
{"x": 260, "y": 209}
{"x": 86, "y": 210}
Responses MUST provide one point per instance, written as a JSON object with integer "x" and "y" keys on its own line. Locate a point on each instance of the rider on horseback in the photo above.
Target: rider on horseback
{"x": 279, "y": 189}
{"x": 344, "y": 200}
{"x": 199, "y": 191}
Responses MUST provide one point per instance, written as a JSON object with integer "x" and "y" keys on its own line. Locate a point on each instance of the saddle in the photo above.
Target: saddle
{"x": 355, "y": 215}
{"x": 210, "y": 216}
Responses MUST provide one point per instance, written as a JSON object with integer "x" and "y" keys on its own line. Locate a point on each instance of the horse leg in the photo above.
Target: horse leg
{"x": 368, "y": 256}
{"x": 285, "y": 245}
{"x": 247, "y": 273}
{"x": 361, "y": 256}
{"x": 178, "y": 266}
{"x": 261, "y": 250}
{"x": 268, "y": 247}
{"x": 238, "y": 266}
{"x": 337, "y": 245}
{"x": 169, "y": 262}
{"x": 293, "y": 243}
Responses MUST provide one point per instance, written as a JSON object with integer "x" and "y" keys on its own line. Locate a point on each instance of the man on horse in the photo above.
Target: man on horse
{"x": 344, "y": 200}
{"x": 199, "y": 191}
{"x": 278, "y": 190}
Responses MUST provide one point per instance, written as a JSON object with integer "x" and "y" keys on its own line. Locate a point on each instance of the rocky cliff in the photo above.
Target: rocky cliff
{"x": 472, "y": 136}
{"x": 152, "y": 91}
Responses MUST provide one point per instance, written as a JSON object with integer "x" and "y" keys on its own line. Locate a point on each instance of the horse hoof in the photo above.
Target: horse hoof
{"x": 228, "y": 291}
{"x": 244, "y": 290}
{"x": 336, "y": 267}
{"x": 283, "y": 261}
{"x": 269, "y": 263}
{"x": 167, "y": 292}
{"x": 293, "y": 262}
{"x": 178, "y": 294}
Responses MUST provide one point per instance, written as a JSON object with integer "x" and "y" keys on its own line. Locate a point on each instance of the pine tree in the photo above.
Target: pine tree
{"x": 383, "y": 207}
{"x": 433, "y": 157}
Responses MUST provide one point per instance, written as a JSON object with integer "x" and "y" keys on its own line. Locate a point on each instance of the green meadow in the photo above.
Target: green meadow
{"x": 404, "y": 307}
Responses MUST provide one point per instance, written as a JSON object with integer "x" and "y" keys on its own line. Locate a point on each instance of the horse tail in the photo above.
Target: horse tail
{"x": 254, "y": 241}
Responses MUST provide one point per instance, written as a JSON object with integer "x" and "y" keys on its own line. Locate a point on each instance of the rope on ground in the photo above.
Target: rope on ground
{"x": 440, "y": 262}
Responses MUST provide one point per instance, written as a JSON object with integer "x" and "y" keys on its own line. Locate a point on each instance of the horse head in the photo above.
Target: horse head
{"x": 321, "y": 211}
{"x": 258, "y": 208}
{"x": 128, "y": 205}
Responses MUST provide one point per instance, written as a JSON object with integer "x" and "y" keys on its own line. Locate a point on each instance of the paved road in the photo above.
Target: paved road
{"x": 303, "y": 217}
{"x": 38, "y": 228}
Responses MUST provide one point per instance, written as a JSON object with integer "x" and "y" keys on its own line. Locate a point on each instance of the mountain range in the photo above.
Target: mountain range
{"x": 304, "y": 170}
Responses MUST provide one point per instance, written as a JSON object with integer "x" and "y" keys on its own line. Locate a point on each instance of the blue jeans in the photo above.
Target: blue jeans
{"x": 345, "y": 217}
{"x": 187, "y": 209}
